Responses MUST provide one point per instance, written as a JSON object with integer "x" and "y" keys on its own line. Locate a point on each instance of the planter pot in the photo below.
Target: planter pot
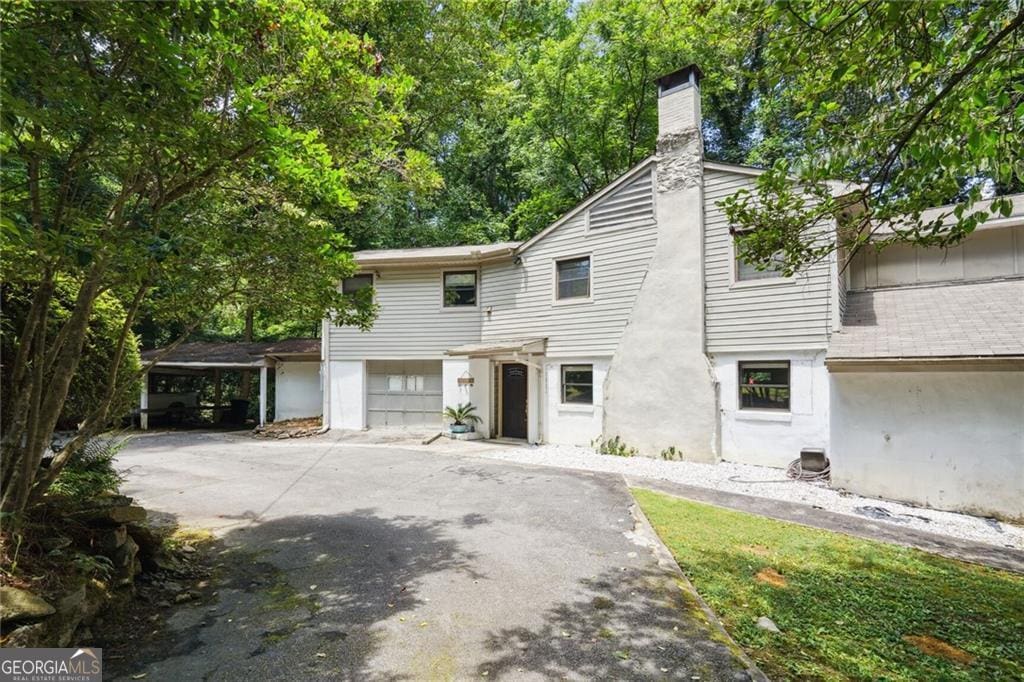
{"x": 460, "y": 428}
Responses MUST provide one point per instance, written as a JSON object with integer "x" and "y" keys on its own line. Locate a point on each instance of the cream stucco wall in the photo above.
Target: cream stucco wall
{"x": 948, "y": 440}
{"x": 771, "y": 437}
{"x": 297, "y": 390}
{"x": 660, "y": 390}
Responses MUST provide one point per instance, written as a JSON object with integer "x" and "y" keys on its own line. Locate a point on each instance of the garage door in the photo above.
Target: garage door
{"x": 404, "y": 393}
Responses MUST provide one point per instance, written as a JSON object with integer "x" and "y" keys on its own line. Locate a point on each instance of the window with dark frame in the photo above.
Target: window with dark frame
{"x": 351, "y": 285}
{"x": 459, "y": 289}
{"x": 578, "y": 384}
{"x": 764, "y": 385}
{"x": 573, "y": 277}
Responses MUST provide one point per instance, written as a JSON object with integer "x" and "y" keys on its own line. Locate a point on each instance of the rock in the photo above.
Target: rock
{"x": 182, "y": 597}
{"x": 766, "y": 623}
{"x": 112, "y": 539}
{"x": 22, "y": 606}
{"x": 27, "y": 637}
{"x": 126, "y": 565}
{"x": 150, "y": 542}
{"x": 112, "y": 510}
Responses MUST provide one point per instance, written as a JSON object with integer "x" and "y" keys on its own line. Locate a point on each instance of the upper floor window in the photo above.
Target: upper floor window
{"x": 573, "y": 278}
{"x": 459, "y": 289}
{"x": 764, "y": 385}
{"x": 578, "y": 384}
{"x": 351, "y": 285}
{"x": 748, "y": 271}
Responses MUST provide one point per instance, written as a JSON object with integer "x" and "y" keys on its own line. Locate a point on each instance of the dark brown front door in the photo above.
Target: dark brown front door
{"x": 513, "y": 400}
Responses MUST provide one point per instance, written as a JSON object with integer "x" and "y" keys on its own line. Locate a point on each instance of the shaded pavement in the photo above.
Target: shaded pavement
{"x": 338, "y": 561}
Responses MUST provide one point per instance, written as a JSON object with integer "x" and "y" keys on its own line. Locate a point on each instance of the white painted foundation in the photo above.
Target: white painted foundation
{"x": 774, "y": 438}
{"x": 348, "y": 394}
{"x": 571, "y": 424}
{"x": 297, "y": 390}
{"x": 948, "y": 440}
{"x": 479, "y": 393}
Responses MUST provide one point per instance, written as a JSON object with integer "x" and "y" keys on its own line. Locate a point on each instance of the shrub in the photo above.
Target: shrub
{"x": 90, "y": 472}
{"x": 614, "y": 446}
{"x": 671, "y": 454}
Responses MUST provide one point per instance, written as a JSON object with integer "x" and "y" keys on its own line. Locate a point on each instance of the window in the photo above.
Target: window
{"x": 748, "y": 271}
{"x": 578, "y": 384}
{"x": 573, "y": 278}
{"x": 459, "y": 289}
{"x": 396, "y": 383}
{"x": 351, "y": 285}
{"x": 764, "y": 385}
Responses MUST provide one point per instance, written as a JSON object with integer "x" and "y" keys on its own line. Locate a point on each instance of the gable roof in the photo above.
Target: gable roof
{"x": 589, "y": 201}
{"x": 951, "y": 321}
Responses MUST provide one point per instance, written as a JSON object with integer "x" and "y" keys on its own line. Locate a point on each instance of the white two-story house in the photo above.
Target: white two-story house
{"x": 632, "y": 317}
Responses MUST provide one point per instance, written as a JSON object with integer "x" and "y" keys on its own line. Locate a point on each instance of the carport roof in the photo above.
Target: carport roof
{"x": 977, "y": 323}
{"x": 229, "y": 353}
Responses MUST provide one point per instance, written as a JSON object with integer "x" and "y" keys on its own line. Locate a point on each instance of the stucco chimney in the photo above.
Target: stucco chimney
{"x": 679, "y": 101}
{"x": 660, "y": 391}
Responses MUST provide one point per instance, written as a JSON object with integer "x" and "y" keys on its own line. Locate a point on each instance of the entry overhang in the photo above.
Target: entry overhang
{"x": 487, "y": 349}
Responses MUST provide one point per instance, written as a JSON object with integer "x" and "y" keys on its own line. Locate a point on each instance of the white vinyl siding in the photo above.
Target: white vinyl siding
{"x": 984, "y": 254}
{"x": 766, "y": 314}
{"x": 411, "y": 322}
{"x": 522, "y": 297}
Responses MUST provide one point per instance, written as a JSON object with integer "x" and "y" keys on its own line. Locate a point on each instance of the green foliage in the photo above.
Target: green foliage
{"x": 671, "y": 454}
{"x": 911, "y": 118}
{"x": 613, "y": 446}
{"x": 90, "y": 472}
{"x": 89, "y": 382}
{"x": 844, "y": 605}
{"x": 461, "y": 414}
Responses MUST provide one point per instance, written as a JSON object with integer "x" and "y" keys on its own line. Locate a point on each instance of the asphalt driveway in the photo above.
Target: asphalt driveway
{"x": 346, "y": 561}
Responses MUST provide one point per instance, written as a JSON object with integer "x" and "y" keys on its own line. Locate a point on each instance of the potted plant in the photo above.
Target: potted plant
{"x": 462, "y": 417}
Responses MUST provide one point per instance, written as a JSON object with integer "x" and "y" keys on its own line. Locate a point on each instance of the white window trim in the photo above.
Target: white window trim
{"x": 575, "y": 300}
{"x": 449, "y": 308}
{"x": 736, "y": 283}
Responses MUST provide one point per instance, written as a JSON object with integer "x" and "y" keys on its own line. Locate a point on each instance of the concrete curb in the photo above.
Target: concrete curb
{"x": 1004, "y": 558}
{"x": 668, "y": 562}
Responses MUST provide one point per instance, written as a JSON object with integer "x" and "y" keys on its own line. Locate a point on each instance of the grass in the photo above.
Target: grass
{"x": 847, "y": 608}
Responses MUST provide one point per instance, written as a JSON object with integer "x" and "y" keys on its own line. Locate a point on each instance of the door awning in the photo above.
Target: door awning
{"x": 486, "y": 349}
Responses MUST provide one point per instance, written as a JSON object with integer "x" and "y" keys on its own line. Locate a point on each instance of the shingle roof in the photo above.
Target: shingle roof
{"x": 231, "y": 352}
{"x": 968, "y": 320}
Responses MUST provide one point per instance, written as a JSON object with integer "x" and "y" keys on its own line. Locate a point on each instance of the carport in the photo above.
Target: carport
{"x": 200, "y": 359}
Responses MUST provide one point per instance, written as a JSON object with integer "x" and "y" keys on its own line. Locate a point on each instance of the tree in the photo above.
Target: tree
{"x": 911, "y": 104}
{"x": 175, "y": 155}
{"x": 588, "y": 105}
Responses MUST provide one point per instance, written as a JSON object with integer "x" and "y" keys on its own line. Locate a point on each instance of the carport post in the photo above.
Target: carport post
{"x": 144, "y": 403}
{"x": 263, "y": 395}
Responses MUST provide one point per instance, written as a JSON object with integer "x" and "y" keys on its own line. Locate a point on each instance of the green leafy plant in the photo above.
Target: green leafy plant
{"x": 90, "y": 471}
{"x": 671, "y": 454}
{"x": 93, "y": 565}
{"x": 463, "y": 414}
{"x": 614, "y": 446}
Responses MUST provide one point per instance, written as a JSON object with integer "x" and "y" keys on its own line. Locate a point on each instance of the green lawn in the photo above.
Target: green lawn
{"x": 846, "y": 607}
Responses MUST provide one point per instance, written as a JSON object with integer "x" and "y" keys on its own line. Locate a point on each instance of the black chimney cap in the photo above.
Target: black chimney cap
{"x": 679, "y": 77}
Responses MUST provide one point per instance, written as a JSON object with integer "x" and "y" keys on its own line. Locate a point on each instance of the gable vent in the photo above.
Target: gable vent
{"x": 629, "y": 206}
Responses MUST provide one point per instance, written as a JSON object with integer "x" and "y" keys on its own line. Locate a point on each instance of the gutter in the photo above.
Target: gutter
{"x": 953, "y": 363}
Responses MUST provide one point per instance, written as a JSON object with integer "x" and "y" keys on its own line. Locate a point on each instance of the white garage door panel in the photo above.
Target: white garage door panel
{"x": 404, "y": 393}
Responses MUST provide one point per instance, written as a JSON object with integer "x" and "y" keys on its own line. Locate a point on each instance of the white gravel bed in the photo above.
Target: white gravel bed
{"x": 771, "y": 483}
